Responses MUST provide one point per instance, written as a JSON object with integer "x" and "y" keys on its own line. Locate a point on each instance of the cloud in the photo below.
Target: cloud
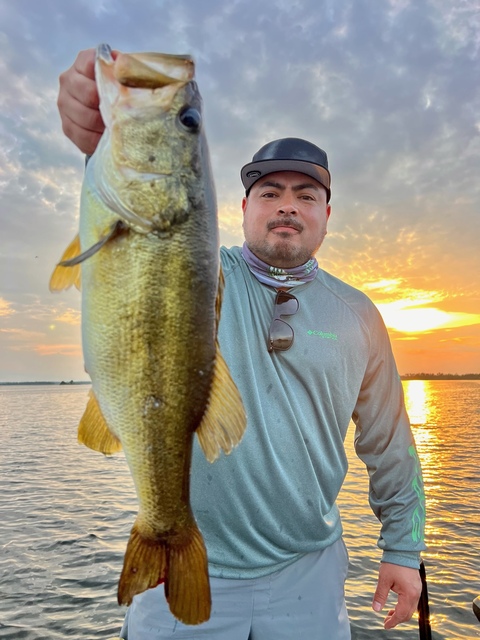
{"x": 6, "y": 308}
{"x": 68, "y": 350}
{"x": 70, "y": 316}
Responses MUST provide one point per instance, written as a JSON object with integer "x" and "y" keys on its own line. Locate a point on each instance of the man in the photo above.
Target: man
{"x": 307, "y": 352}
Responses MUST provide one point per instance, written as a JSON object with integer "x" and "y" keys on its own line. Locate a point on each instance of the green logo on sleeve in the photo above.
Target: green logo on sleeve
{"x": 418, "y": 517}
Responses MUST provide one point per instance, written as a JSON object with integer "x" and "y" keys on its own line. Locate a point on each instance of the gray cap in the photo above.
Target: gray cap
{"x": 288, "y": 154}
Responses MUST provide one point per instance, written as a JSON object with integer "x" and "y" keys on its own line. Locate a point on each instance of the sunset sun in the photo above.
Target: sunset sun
{"x": 413, "y": 311}
{"x": 406, "y": 317}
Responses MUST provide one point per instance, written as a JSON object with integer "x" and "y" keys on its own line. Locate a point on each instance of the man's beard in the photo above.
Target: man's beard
{"x": 281, "y": 253}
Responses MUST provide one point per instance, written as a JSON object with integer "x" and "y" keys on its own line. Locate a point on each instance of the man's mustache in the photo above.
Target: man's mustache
{"x": 285, "y": 222}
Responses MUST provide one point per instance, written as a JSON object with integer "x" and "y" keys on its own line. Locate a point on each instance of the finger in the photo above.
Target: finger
{"x": 74, "y": 111}
{"x": 85, "y": 63}
{"x": 84, "y": 139}
{"x": 392, "y": 619}
{"x": 75, "y": 86}
{"x": 389, "y": 621}
{"x": 78, "y": 102}
{"x": 402, "y": 613}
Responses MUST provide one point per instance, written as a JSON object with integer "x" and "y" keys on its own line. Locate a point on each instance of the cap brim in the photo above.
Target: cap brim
{"x": 253, "y": 171}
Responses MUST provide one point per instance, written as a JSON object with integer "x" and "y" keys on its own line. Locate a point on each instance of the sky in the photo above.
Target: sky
{"x": 389, "y": 88}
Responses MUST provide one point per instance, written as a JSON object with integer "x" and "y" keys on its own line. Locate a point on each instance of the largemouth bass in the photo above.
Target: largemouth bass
{"x": 148, "y": 254}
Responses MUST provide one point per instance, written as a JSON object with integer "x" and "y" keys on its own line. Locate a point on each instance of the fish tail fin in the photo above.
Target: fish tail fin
{"x": 64, "y": 277}
{"x": 144, "y": 566}
{"x": 187, "y": 587}
{"x": 224, "y": 422}
{"x": 182, "y": 566}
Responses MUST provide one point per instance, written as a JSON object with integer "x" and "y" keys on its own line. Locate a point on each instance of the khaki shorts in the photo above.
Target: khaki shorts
{"x": 304, "y": 601}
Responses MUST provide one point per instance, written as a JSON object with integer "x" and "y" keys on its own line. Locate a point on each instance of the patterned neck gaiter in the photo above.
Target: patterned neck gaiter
{"x": 276, "y": 276}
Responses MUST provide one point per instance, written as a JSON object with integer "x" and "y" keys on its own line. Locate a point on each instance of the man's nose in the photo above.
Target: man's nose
{"x": 287, "y": 205}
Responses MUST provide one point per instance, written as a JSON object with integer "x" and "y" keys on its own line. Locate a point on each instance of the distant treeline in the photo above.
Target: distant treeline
{"x": 441, "y": 376}
{"x": 8, "y": 384}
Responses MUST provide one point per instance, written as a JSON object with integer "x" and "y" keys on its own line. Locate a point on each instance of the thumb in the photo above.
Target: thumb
{"x": 380, "y": 596}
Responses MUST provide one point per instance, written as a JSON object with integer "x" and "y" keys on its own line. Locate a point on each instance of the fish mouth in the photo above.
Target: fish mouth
{"x": 147, "y": 70}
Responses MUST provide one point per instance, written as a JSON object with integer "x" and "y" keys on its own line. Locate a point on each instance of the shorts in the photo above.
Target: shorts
{"x": 305, "y": 600}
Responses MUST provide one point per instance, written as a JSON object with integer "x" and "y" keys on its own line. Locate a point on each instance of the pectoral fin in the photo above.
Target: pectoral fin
{"x": 224, "y": 422}
{"x": 93, "y": 431}
{"x": 117, "y": 229}
{"x": 64, "y": 277}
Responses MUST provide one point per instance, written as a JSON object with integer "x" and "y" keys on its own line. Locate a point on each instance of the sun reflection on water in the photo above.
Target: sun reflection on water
{"x": 420, "y": 404}
{"x": 418, "y": 400}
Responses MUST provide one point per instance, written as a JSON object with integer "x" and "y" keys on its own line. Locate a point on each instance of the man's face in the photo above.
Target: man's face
{"x": 285, "y": 218}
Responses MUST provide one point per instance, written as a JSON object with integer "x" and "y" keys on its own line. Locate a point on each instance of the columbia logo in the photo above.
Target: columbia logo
{"x": 323, "y": 334}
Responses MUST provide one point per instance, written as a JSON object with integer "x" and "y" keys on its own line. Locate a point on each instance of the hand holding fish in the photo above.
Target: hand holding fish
{"x": 78, "y": 103}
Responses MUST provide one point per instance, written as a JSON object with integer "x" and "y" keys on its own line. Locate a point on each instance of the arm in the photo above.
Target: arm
{"x": 385, "y": 443}
{"x": 78, "y": 103}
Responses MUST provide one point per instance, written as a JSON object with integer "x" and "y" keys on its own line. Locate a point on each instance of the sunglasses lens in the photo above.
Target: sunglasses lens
{"x": 286, "y": 304}
{"x": 281, "y": 335}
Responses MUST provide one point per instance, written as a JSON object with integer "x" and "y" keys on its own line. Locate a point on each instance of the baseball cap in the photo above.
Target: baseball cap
{"x": 288, "y": 154}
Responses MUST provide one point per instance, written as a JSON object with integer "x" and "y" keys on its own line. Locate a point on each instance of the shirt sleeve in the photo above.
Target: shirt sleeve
{"x": 385, "y": 443}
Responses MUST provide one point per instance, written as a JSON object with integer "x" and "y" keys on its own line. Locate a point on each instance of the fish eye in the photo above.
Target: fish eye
{"x": 190, "y": 118}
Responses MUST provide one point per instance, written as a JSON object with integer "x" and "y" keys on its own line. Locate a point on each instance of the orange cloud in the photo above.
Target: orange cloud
{"x": 6, "y": 308}
{"x": 70, "y": 316}
{"x": 71, "y": 350}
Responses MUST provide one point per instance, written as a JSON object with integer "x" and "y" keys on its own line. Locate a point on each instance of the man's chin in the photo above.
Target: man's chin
{"x": 283, "y": 254}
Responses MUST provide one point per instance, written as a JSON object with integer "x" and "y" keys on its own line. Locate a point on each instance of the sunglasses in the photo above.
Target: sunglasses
{"x": 280, "y": 334}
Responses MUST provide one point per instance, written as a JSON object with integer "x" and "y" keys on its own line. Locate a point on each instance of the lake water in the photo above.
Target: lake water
{"x": 66, "y": 513}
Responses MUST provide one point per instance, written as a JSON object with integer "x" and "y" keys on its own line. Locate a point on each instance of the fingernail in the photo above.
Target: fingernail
{"x": 376, "y": 606}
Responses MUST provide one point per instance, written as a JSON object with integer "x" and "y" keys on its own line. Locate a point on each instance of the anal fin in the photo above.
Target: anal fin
{"x": 93, "y": 431}
{"x": 224, "y": 422}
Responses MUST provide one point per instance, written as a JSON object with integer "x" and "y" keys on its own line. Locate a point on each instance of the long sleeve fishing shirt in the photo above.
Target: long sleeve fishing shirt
{"x": 273, "y": 499}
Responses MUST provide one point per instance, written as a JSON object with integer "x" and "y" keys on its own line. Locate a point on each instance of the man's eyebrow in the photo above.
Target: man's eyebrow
{"x": 282, "y": 187}
{"x": 306, "y": 185}
{"x": 270, "y": 183}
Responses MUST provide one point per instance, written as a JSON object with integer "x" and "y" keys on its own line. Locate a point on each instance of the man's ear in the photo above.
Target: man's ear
{"x": 244, "y": 204}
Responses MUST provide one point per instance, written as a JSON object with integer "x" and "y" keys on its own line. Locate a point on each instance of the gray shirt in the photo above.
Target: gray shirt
{"x": 273, "y": 499}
